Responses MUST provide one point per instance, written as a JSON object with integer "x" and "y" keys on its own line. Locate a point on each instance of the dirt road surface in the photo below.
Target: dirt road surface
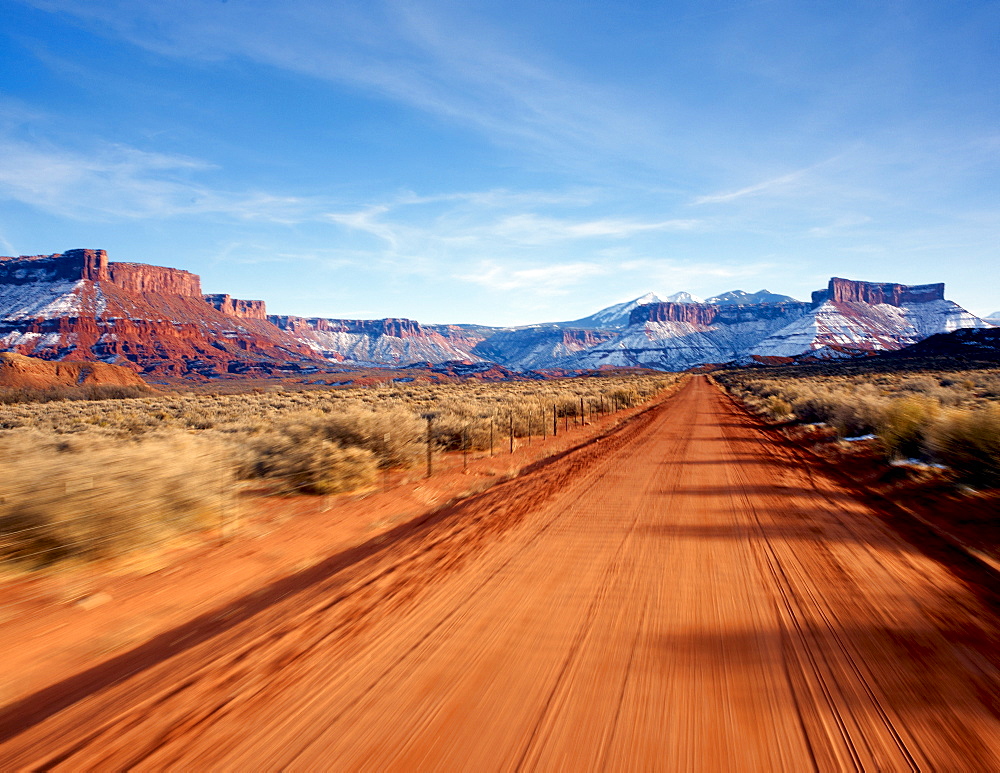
{"x": 684, "y": 595}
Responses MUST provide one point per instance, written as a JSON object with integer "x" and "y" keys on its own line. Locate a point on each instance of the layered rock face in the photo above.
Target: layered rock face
{"x": 77, "y": 306}
{"x": 70, "y": 266}
{"x": 235, "y": 307}
{"x": 851, "y": 317}
{"x": 540, "y": 346}
{"x": 390, "y": 326}
{"x": 141, "y": 278}
{"x": 715, "y": 313}
{"x": 390, "y": 341}
{"x": 676, "y": 336}
{"x": 877, "y": 293}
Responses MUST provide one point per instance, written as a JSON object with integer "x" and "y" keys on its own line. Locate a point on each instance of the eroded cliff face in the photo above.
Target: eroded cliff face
{"x": 151, "y": 319}
{"x": 391, "y": 341}
{"x": 390, "y": 326}
{"x": 715, "y": 313}
{"x": 540, "y": 346}
{"x": 235, "y": 307}
{"x": 875, "y": 293}
{"x": 70, "y": 266}
{"x": 142, "y": 278}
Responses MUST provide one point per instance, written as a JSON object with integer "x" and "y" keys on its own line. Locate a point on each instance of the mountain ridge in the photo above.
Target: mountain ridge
{"x": 80, "y": 306}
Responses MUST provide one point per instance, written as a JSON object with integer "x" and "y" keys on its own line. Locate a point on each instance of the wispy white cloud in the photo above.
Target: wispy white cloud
{"x": 840, "y": 225}
{"x": 482, "y": 219}
{"x": 698, "y": 276}
{"x": 766, "y": 186}
{"x": 530, "y": 228}
{"x": 557, "y": 279}
{"x": 117, "y": 181}
{"x": 808, "y": 180}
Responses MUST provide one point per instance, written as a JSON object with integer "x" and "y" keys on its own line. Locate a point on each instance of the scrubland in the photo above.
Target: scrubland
{"x": 87, "y": 479}
{"x": 949, "y": 417}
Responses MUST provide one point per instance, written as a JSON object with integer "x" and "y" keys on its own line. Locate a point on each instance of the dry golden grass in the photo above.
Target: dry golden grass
{"x": 85, "y": 480}
{"x": 951, "y": 417}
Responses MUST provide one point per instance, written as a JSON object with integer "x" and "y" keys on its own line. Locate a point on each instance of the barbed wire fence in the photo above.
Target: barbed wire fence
{"x": 83, "y": 507}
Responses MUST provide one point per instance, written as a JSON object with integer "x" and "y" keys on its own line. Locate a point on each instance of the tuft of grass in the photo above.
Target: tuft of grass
{"x": 308, "y": 464}
{"x": 968, "y": 442}
{"x": 903, "y": 425}
{"x": 99, "y": 499}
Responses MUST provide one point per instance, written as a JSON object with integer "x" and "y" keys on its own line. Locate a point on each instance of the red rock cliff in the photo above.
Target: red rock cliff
{"x": 71, "y": 265}
{"x": 235, "y": 307}
{"x": 692, "y": 313}
{"x": 142, "y": 278}
{"x": 711, "y": 313}
{"x": 582, "y": 339}
{"x": 399, "y": 328}
{"x": 851, "y": 291}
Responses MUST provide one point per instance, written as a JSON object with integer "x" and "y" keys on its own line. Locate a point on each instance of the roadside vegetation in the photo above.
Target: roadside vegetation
{"x": 90, "y": 479}
{"x": 16, "y": 395}
{"x": 947, "y": 417}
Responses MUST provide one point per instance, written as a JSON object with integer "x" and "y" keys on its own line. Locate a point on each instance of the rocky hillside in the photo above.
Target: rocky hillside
{"x": 77, "y": 306}
{"x": 857, "y": 317}
{"x": 965, "y": 345}
{"x": 20, "y": 372}
{"x": 380, "y": 341}
{"x": 676, "y": 336}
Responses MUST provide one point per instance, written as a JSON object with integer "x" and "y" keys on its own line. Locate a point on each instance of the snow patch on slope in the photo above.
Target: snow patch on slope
{"x": 615, "y": 316}
{"x": 879, "y": 327}
{"x": 41, "y": 300}
{"x": 677, "y": 345}
{"x": 383, "y": 349}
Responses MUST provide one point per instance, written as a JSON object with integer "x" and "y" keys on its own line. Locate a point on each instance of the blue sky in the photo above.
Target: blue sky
{"x": 506, "y": 163}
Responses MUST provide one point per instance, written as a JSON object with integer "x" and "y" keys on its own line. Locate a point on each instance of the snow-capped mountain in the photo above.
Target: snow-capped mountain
{"x": 683, "y": 297}
{"x": 612, "y": 317}
{"x": 742, "y": 297}
{"x": 676, "y": 336}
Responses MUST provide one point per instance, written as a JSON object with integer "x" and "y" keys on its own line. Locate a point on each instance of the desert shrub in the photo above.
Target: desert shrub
{"x": 903, "y": 425}
{"x": 857, "y": 414}
{"x": 102, "y": 497}
{"x": 393, "y": 435}
{"x": 919, "y": 384}
{"x": 569, "y": 406}
{"x": 307, "y": 463}
{"x": 814, "y": 406}
{"x": 777, "y": 408}
{"x": 626, "y": 397}
{"x": 968, "y": 442}
{"x": 13, "y": 396}
{"x": 452, "y": 430}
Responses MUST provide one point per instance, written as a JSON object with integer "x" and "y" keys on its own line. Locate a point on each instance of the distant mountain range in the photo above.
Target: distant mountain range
{"x": 78, "y": 306}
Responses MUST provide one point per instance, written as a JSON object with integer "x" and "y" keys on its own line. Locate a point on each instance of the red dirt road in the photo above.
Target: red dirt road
{"x": 684, "y": 595}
